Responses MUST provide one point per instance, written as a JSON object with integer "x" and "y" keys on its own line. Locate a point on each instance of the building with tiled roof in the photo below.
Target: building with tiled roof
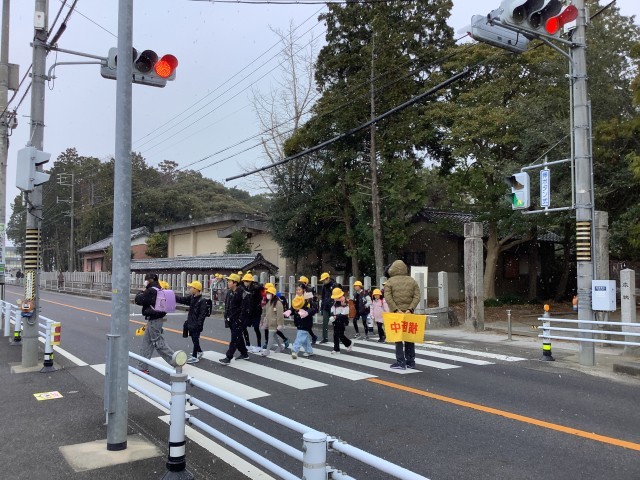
{"x": 94, "y": 255}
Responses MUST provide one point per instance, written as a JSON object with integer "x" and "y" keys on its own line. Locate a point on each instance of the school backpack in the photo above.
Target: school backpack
{"x": 165, "y": 300}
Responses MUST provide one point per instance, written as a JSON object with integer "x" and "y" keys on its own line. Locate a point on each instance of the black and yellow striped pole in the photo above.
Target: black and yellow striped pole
{"x": 546, "y": 341}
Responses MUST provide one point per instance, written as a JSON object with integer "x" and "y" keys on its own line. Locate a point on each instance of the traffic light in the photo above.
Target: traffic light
{"x": 544, "y": 17}
{"x": 483, "y": 30}
{"x": 27, "y": 177}
{"x": 148, "y": 69}
{"x": 519, "y": 183}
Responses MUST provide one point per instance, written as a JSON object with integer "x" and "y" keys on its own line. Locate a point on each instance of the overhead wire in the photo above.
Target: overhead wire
{"x": 157, "y": 132}
{"x": 226, "y": 101}
{"x": 144, "y": 190}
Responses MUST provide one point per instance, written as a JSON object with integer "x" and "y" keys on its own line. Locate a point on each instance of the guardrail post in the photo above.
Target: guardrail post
{"x": 17, "y": 331}
{"x": 177, "y": 459}
{"x": 314, "y": 458}
{"x": 47, "y": 364}
{"x": 546, "y": 341}
{"x": 7, "y": 319}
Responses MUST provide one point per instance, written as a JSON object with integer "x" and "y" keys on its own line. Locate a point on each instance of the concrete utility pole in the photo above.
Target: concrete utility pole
{"x": 584, "y": 184}
{"x": 32, "y": 260}
{"x": 375, "y": 191}
{"x": 4, "y": 131}
{"x": 116, "y": 386}
{"x": 68, "y": 180}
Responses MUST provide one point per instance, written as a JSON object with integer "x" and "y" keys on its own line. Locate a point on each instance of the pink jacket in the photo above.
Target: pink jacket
{"x": 377, "y": 307}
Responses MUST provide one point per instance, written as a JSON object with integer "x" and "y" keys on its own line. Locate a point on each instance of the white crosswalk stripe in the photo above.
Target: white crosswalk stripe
{"x": 327, "y": 368}
{"x": 295, "y": 381}
{"x": 365, "y": 362}
{"x": 443, "y": 356}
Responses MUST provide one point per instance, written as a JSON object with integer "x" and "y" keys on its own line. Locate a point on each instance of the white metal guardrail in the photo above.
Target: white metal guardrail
{"x": 50, "y": 333}
{"x": 315, "y": 444}
{"x": 547, "y": 331}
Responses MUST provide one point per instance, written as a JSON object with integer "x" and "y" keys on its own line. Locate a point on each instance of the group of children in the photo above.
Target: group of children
{"x": 304, "y": 306}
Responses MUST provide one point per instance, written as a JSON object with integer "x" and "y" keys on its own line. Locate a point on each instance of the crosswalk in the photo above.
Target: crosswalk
{"x": 353, "y": 366}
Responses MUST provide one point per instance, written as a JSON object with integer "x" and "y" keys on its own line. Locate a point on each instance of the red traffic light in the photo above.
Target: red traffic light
{"x": 166, "y": 66}
{"x": 554, "y": 24}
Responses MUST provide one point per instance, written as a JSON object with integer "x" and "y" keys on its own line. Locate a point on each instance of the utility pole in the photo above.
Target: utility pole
{"x": 32, "y": 260}
{"x": 63, "y": 180}
{"x": 116, "y": 379}
{"x": 375, "y": 192}
{"x": 4, "y": 132}
{"x": 584, "y": 184}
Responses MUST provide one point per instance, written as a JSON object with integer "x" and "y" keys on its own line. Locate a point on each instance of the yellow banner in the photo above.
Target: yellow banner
{"x": 404, "y": 327}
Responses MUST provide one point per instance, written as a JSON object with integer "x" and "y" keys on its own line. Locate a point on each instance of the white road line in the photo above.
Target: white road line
{"x": 269, "y": 373}
{"x": 329, "y": 369}
{"x": 150, "y": 387}
{"x": 421, "y": 349}
{"x": 350, "y": 358}
{"x": 496, "y": 356}
{"x": 227, "y": 456}
{"x": 419, "y": 361}
{"x": 231, "y": 386}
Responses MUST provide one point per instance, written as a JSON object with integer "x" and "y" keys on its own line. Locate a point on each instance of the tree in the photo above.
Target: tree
{"x": 507, "y": 115}
{"x": 158, "y": 245}
{"x": 238, "y": 243}
{"x": 411, "y": 36}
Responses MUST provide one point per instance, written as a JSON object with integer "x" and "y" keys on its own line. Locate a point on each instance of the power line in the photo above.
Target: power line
{"x": 156, "y": 133}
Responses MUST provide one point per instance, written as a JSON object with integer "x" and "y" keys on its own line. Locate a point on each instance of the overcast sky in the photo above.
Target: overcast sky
{"x": 224, "y": 51}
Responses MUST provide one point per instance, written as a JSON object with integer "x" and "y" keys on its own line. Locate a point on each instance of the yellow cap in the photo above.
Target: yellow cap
{"x": 164, "y": 285}
{"x": 376, "y": 291}
{"x": 336, "y": 293}
{"x": 298, "y": 303}
{"x": 234, "y": 277}
{"x": 247, "y": 277}
{"x": 195, "y": 284}
{"x": 268, "y": 284}
{"x": 324, "y": 276}
{"x": 271, "y": 289}
{"x": 304, "y": 280}
{"x": 357, "y": 283}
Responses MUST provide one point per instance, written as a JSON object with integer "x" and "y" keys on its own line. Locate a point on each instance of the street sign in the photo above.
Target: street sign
{"x": 545, "y": 187}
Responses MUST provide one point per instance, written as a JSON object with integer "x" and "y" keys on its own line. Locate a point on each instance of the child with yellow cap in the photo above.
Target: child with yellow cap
{"x": 302, "y": 320}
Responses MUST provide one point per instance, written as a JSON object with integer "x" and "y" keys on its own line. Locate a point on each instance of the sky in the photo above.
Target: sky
{"x": 225, "y": 52}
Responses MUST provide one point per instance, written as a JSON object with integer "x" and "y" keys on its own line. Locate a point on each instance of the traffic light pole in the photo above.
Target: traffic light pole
{"x": 583, "y": 175}
{"x": 116, "y": 379}
{"x": 4, "y": 132}
{"x": 32, "y": 263}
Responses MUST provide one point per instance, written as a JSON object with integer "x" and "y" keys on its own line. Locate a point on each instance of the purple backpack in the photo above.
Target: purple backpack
{"x": 165, "y": 300}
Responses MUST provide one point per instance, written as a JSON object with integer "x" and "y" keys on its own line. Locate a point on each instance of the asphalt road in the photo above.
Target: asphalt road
{"x": 498, "y": 420}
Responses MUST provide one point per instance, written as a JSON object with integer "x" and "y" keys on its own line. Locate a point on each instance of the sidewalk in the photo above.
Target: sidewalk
{"x": 66, "y": 438}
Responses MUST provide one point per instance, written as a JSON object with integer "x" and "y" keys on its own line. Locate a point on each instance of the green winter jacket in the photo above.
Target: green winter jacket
{"x": 401, "y": 292}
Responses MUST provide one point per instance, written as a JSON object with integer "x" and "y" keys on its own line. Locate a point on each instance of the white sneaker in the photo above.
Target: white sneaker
{"x": 350, "y": 347}
{"x": 193, "y": 360}
{"x": 199, "y": 355}
{"x": 333, "y": 352}
{"x": 307, "y": 355}
{"x": 356, "y": 336}
{"x": 294, "y": 355}
{"x": 265, "y": 352}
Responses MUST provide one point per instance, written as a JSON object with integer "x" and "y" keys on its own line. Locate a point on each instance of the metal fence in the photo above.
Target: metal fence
{"x": 316, "y": 445}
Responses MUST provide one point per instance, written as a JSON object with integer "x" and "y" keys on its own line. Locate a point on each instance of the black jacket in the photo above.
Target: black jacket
{"x": 147, "y": 299}
{"x": 327, "y": 301}
{"x": 251, "y": 303}
{"x": 197, "y": 311}
{"x": 233, "y": 308}
{"x": 302, "y": 323}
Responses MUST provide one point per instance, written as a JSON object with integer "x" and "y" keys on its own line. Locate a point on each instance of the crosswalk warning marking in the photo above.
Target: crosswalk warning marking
{"x": 365, "y": 362}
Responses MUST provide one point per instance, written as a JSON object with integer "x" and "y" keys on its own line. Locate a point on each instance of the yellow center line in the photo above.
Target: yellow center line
{"x": 513, "y": 416}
